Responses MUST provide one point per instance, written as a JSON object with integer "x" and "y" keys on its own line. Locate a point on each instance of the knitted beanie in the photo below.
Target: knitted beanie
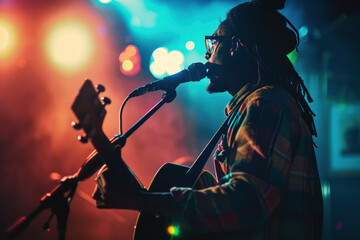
{"x": 259, "y": 23}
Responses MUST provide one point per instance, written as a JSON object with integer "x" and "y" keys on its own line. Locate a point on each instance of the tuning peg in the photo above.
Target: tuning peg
{"x": 106, "y": 100}
{"x": 75, "y": 125}
{"x": 83, "y": 139}
{"x": 100, "y": 88}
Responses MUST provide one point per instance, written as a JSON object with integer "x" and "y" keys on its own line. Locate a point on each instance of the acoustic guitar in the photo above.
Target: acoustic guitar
{"x": 90, "y": 112}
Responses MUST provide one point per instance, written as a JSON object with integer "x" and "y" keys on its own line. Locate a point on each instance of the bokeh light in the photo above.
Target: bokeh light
{"x": 303, "y": 31}
{"x": 130, "y": 61}
{"x": 8, "y": 38}
{"x": 157, "y": 69}
{"x": 105, "y": 1}
{"x": 131, "y": 50}
{"x": 175, "y": 62}
{"x": 4, "y": 38}
{"x": 128, "y": 65}
{"x": 165, "y": 62}
{"x": 160, "y": 54}
{"x": 325, "y": 188}
{"x": 70, "y": 45}
{"x": 190, "y": 45}
{"x": 173, "y": 230}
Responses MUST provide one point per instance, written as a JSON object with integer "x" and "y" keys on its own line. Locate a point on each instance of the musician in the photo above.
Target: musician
{"x": 269, "y": 186}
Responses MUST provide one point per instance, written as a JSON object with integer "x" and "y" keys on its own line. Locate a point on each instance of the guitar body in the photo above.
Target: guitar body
{"x": 149, "y": 226}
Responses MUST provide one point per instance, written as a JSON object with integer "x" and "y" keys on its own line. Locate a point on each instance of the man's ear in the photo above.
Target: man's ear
{"x": 235, "y": 46}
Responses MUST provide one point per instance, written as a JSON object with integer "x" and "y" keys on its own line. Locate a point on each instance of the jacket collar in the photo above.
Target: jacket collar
{"x": 240, "y": 96}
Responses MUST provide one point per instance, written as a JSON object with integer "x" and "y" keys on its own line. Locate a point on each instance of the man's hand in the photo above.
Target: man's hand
{"x": 112, "y": 192}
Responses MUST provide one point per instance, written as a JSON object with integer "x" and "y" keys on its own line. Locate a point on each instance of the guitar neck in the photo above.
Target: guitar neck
{"x": 106, "y": 150}
{"x": 91, "y": 112}
{"x": 113, "y": 159}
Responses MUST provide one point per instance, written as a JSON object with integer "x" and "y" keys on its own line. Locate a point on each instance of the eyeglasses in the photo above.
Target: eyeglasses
{"x": 211, "y": 40}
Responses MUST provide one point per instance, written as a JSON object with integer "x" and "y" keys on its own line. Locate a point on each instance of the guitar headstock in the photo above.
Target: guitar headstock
{"x": 89, "y": 110}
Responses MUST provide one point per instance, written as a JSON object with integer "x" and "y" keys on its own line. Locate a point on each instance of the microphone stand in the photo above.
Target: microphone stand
{"x": 57, "y": 202}
{"x": 167, "y": 97}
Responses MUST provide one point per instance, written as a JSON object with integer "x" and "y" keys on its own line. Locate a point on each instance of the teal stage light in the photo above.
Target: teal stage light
{"x": 165, "y": 63}
{"x": 104, "y": 1}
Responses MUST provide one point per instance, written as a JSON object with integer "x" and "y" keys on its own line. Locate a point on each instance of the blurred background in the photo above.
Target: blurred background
{"x": 48, "y": 48}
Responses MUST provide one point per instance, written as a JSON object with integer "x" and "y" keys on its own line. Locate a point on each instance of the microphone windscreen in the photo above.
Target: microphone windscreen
{"x": 197, "y": 71}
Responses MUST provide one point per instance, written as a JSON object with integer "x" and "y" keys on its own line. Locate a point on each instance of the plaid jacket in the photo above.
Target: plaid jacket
{"x": 269, "y": 185}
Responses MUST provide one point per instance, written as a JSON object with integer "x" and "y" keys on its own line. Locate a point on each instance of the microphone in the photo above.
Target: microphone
{"x": 195, "y": 72}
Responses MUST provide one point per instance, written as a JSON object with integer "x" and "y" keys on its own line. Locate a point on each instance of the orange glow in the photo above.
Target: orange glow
{"x": 130, "y": 61}
{"x": 70, "y": 45}
{"x": 8, "y": 38}
{"x": 123, "y": 56}
{"x": 72, "y": 39}
{"x": 131, "y": 50}
{"x": 36, "y": 135}
{"x": 22, "y": 63}
{"x": 4, "y": 38}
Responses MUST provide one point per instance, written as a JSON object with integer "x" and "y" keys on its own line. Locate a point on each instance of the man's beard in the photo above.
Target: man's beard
{"x": 216, "y": 87}
{"x": 216, "y": 74}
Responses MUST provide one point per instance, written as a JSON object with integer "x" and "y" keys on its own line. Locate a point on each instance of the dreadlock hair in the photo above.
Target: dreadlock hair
{"x": 264, "y": 33}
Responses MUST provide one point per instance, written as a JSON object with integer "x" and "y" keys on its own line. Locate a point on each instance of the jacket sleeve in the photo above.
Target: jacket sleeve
{"x": 258, "y": 164}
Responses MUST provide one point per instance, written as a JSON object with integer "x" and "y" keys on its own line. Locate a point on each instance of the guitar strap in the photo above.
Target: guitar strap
{"x": 198, "y": 165}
